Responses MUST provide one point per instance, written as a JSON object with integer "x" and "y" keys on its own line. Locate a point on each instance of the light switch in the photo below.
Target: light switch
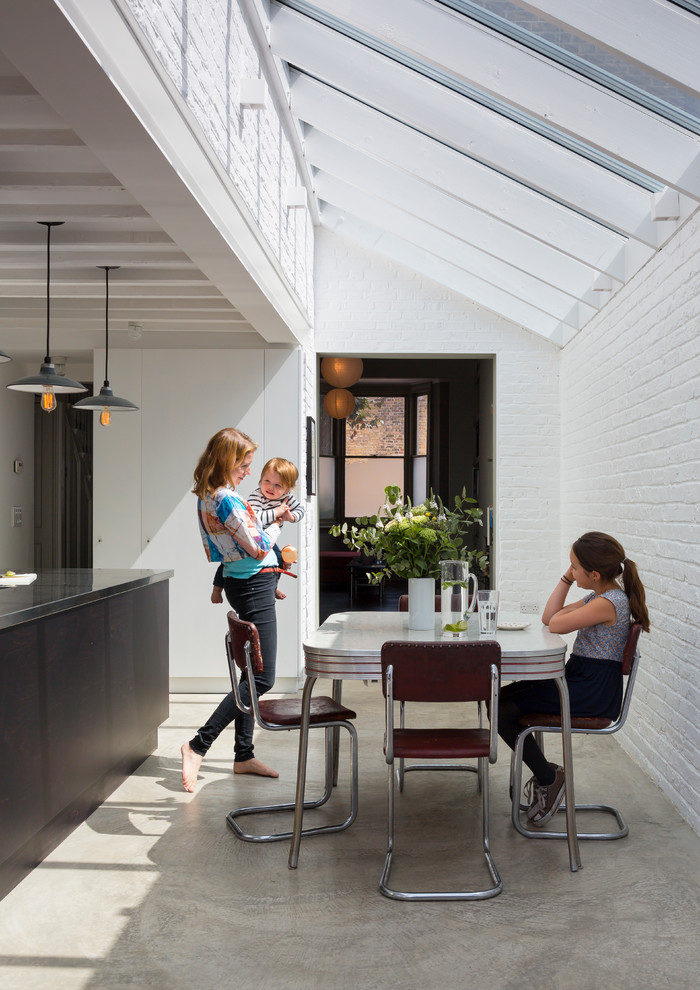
{"x": 16, "y": 515}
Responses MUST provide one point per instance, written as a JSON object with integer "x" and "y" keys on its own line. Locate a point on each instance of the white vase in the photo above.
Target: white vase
{"x": 421, "y": 603}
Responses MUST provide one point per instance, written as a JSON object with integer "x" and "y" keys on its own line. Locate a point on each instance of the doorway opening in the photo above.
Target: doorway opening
{"x": 420, "y": 423}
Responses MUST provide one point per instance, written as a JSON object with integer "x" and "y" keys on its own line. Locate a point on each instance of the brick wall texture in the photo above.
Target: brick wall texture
{"x": 206, "y": 49}
{"x": 630, "y": 465}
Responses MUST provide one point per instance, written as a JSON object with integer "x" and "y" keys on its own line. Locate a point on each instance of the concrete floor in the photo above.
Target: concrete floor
{"x": 155, "y": 892}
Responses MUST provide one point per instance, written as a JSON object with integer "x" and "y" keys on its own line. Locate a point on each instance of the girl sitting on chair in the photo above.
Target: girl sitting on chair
{"x": 594, "y": 668}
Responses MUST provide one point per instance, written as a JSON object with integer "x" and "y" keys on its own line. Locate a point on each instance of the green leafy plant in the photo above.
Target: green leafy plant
{"x": 411, "y": 540}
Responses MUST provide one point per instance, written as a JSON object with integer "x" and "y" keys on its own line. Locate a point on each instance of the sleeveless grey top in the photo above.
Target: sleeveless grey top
{"x": 603, "y": 642}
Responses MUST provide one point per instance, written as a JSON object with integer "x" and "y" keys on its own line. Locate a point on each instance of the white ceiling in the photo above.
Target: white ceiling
{"x": 474, "y": 142}
{"x": 47, "y": 172}
{"x": 501, "y": 162}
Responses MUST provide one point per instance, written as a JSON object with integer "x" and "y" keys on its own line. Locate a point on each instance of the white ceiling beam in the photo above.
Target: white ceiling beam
{"x": 85, "y": 320}
{"x": 390, "y": 141}
{"x": 27, "y": 112}
{"x": 445, "y": 247}
{"x": 657, "y": 35}
{"x": 175, "y": 291}
{"x": 135, "y": 274}
{"x": 28, "y": 237}
{"x": 546, "y": 91}
{"x": 462, "y": 124}
{"x": 123, "y": 307}
{"x": 48, "y": 158}
{"x": 128, "y": 216}
{"x": 448, "y": 213}
{"x": 443, "y": 272}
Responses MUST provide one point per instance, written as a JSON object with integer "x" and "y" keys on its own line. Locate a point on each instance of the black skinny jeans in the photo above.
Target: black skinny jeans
{"x": 254, "y": 600}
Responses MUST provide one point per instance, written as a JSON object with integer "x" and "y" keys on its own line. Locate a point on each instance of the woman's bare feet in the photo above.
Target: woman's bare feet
{"x": 191, "y": 763}
{"x": 254, "y": 766}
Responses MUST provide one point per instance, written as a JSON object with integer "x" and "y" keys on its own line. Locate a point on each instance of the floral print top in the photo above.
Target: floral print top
{"x": 603, "y": 642}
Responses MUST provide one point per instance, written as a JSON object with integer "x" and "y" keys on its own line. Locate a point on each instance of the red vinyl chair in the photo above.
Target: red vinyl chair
{"x": 458, "y": 672}
{"x": 402, "y": 768}
{"x": 541, "y": 723}
{"x": 283, "y": 714}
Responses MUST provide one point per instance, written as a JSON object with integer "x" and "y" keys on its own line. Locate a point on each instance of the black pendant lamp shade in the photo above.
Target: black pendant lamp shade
{"x": 46, "y": 383}
{"x": 4, "y": 357}
{"x": 106, "y": 402}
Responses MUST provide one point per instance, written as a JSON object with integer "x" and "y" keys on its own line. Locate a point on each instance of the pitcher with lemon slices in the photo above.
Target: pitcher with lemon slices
{"x": 456, "y": 601}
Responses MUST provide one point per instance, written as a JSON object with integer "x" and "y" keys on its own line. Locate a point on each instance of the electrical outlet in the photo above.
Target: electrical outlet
{"x": 530, "y": 608}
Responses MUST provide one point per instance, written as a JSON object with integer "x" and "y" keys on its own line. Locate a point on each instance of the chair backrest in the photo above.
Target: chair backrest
{"x": 403, "y": 603}
{"x": 243, "y": 651}
{"x": 435, "y": 672}
{"x": 630, "y": 662}
{"x": 243, "y": 638}
{"x": 631, "y": 647}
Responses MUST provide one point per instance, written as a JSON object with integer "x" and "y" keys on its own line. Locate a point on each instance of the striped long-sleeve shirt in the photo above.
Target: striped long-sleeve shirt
{"x": 264, "y": 508}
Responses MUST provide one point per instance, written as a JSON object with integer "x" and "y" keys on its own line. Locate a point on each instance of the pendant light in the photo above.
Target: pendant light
{"x": 47, "y": 382}
{"x": 4, "y": 357}
{"x": 341, "y": 372}
{"x": 106, "y": 402}
{"x": 339, "y": 403}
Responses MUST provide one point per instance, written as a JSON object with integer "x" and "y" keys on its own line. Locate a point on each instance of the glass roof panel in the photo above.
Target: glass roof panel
{"x": 631, "y": 80}
{"x": 449, "y": 81}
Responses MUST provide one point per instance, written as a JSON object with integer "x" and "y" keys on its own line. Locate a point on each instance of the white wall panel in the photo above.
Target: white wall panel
{"x": 145, "y": 513}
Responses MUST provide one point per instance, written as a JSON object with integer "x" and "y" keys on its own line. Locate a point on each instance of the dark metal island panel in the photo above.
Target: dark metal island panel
{"x": 83, "y": 689}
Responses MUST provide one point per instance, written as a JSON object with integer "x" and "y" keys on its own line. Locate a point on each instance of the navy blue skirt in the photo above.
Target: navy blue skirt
{"x": 595, "y": 689}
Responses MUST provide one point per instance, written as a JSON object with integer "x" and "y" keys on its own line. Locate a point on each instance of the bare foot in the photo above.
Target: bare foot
{"x": 254, "y": 766}
{"x": 280, "y": 595}
{"x": 191, "y": 763}
{"x": 216, "y": 596}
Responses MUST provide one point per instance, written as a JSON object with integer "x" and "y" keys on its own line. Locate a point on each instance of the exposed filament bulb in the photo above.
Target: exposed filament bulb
{"x": 105, "y": 417}
{"x": 48, "y": 400}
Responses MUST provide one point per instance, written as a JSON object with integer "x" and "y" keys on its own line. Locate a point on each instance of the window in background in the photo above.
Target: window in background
{"x": 375, "y": 446}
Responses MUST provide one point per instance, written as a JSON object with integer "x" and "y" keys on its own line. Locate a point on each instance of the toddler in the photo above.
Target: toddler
{"x": 272, "y": 500}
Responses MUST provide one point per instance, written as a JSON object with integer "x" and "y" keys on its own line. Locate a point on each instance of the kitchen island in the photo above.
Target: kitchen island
{"x": 83, "y": 689}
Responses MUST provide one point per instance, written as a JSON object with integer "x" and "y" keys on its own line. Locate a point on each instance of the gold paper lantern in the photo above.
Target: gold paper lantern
{"x": 341, "y": 372}
{"x": 339, "y": 403}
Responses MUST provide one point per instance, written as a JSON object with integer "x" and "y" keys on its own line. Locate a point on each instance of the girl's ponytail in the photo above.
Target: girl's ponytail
{"x": 634, "y": 589}
{"x": 604, "y": 554}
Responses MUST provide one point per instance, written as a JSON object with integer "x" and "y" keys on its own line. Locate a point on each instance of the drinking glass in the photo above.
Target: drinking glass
{"x": 488, "y": 612}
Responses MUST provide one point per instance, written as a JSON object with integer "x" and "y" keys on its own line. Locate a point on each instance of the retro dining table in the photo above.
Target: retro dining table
{"x": 347, "y": 646}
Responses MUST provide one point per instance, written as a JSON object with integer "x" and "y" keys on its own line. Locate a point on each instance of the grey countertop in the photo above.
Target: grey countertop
{"x": 58, "y": 590}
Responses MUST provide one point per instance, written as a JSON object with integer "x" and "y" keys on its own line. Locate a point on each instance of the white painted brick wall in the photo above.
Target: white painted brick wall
{"x": 366, "y": 305}
{"x": 631, "y": 467}
{"x": 205, "y": 49}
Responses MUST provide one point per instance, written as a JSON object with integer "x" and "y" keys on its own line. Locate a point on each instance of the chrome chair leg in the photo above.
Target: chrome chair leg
{"x": 232, "y": 816}
{"x": 549, "y": 833}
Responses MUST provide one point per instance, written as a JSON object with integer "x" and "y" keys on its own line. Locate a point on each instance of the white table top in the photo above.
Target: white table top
{"x": 347, "y": 646}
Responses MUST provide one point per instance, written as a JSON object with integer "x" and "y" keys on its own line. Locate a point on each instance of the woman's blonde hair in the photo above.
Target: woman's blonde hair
{"x": 288, "y": 472}
{"x": 604, "y": 554}
{"x": 226, "y": 451}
